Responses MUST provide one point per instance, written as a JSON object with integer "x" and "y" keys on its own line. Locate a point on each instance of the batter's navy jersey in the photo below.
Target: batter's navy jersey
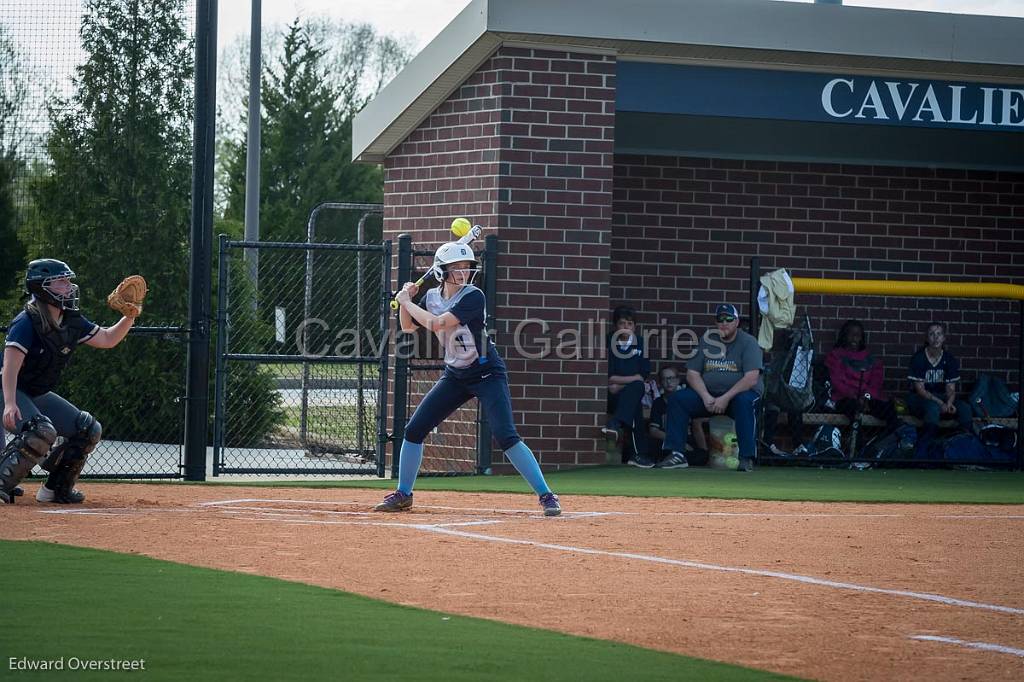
{"x": 468, "y": 350}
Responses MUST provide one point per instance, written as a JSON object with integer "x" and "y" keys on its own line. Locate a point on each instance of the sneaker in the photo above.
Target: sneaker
{"x": 640, "y": 462}
{"x": 549, "y": 501}
{"x": 610, "y": 431}
{"x": 746, "y": 464}
{"x": 76, "y": 496}
{"x": 611, "y": 444}
{"x": 396, "y": 501}
{"x": 7, "y": 497}
{"x": 676, "y": 460}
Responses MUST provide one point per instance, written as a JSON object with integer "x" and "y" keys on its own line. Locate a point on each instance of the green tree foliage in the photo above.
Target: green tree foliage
{"x": 318, "y": 76}
{"x": 116, "y": 201}
{"x": 321, "y": 77}
{"x": 12, "y": 251}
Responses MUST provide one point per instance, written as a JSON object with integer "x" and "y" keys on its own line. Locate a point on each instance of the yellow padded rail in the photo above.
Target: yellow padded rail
{"x": 878, "y": 287}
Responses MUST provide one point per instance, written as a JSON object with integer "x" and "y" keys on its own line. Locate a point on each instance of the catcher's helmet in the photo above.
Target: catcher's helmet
{"x": 40, "y": 277}
{"x": 453, "y": 252}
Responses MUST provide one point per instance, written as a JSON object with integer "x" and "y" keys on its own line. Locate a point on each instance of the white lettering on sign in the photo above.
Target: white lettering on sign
{"x": 906, "y": 101}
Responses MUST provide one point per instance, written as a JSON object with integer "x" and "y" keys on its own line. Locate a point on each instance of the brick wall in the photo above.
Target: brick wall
{"x": 525, "y": 148}
{"x": 684, "y": 230}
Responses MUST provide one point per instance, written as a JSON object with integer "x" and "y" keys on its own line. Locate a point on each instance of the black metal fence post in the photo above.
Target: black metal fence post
{"x": 755, "y": 284}
{"x": 401, "y": 393}
{"x": 1020, "y": 386}
{"x": 483, "y": 450}
{"x": 382, "y": 389}
{"x": 197, "y": 396}
{"x": 222, "y": 333}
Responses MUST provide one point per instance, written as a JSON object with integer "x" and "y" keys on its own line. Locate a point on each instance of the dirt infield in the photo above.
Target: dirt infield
{"x": 826, "y": 591}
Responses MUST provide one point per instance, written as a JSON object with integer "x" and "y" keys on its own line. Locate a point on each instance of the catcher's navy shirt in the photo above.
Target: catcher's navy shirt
{"x": 22, "y": 335}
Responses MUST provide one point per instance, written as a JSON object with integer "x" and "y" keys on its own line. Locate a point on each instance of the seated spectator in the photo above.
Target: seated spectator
{"x": 857, "y": 377}
{"x": 627, "y": 370}
{"x": 934, "y": 374}
{"x": 669, "y": 377}
{"x": 723, "y": 377}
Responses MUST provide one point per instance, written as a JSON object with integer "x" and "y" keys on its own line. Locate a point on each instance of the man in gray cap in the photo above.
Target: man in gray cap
{"x": 723, "y": 377}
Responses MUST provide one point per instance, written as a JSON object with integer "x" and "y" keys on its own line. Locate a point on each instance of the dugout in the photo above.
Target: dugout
{"x": 644, "y": 152}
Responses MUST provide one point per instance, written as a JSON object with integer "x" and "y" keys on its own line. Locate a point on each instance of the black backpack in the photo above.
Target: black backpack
{"x": 789, "y": 382}
{"x": 999, "y": 439}
{"x": 991, "y": 398}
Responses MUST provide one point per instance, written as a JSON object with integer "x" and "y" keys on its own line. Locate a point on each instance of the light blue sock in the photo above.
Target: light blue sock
{"x": 526, "y": 464}
{"x": 409, "y": 459}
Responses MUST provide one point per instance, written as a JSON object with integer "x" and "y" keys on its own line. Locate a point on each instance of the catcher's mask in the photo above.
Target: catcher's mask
{"x": 453, "y": 252}
{"x": 41, "y": 281}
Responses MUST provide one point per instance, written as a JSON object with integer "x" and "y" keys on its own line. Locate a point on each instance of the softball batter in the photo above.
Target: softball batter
{"x": 455, "y": 312}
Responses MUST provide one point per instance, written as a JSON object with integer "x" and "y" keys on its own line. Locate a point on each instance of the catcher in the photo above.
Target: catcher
{"x": 40, "y": 341}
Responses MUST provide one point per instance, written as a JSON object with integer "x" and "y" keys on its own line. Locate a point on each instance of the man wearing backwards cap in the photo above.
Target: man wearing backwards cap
{"x": 723, "y": 377}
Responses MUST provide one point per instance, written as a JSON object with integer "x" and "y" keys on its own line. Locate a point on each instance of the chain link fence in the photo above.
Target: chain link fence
{"x": 301, "y": 351}
{"x": 140, "y": 439}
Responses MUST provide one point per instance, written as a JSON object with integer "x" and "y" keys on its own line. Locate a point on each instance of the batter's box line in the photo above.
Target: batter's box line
{"x": 794, "y": 577}
{"x": 489, "y": 510}
{"x": 983, "y": 646}
{"x": 388, "y": 524}
{"x": 270, "y": 514}
{"x": 120, "y": 511}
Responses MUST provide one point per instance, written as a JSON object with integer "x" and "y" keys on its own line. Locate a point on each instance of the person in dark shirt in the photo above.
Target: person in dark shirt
{"x": 40, "y": 342}
{"x": 628, "y": 368}
{"x": 934, "y": 375}
{"x": 670, "y": 383}
{"x": 455, "y": 312}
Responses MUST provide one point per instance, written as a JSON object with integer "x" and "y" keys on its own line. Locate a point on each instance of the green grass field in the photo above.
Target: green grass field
{"x": 190, "y": 623}
{"x": 766, "y": 483}
{"x": 194, "y": 623}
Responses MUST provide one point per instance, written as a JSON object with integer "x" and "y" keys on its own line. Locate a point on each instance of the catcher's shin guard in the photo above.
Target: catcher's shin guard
{"x": 66, "y": 461}
{"x": 23, "y": 452}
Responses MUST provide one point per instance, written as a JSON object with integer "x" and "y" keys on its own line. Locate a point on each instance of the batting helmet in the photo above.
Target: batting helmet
{"x": 449, "y": 253}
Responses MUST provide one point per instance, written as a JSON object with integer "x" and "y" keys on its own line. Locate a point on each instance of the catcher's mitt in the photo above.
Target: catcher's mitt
{"x": 128, "y": 296}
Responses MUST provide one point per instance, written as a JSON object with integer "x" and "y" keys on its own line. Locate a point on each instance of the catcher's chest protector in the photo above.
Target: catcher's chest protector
{"x": 41, "y": 371}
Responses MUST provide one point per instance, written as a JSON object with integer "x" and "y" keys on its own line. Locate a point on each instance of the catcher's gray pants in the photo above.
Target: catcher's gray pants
{"x": 61, "y": 412}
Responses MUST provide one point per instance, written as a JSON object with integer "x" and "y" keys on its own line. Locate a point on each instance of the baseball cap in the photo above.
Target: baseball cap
{"x": 726, "y": 309}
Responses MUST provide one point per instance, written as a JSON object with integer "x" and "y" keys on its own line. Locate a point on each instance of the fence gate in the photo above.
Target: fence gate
{"x": 301, "y": 360}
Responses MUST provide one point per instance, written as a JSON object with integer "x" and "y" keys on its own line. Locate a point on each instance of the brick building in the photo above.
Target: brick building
{"x": 643, "y": 152}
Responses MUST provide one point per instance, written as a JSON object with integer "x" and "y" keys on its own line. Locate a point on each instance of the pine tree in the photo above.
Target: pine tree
{"x": 12, "y": 251}
{"x": 117, "y": 201}
{"x": 310, "y": 92}
{"x": 307, "y": 140}
{"x": 118, "y": 196}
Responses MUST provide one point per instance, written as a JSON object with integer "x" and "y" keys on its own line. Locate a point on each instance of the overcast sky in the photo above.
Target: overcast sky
{"x": 422, "y": 20}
